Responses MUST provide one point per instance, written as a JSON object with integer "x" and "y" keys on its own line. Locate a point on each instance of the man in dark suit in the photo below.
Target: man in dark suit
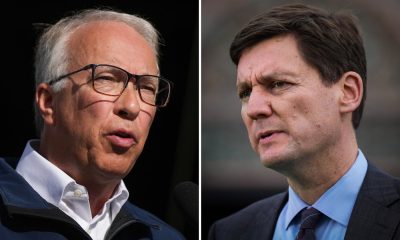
{"x": 301, "y": 77}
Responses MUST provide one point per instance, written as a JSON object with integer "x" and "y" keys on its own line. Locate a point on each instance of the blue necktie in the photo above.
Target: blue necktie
{"x": 309, "y": 220}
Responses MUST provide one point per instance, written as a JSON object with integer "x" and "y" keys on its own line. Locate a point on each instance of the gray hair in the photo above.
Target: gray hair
{"x": 52, "y": 53}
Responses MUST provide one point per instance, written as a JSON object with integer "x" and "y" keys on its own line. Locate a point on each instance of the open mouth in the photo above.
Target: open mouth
{"x": 121, "y": 139}
{"x": 123, "y": 134}
{"x": 266, "y": 135}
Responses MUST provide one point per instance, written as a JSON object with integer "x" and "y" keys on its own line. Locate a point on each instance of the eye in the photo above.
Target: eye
{"x": 149, "y": 85}
{"x": 149, "y": 88}
{"x": 278, "y": 84}
{"x": 107, "y": 77}
{"x": 244, "y": 94}
{"x": 104, "y": 79}
{"x": 107, "y": 83}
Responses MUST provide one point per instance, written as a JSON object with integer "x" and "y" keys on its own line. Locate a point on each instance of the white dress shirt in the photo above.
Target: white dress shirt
{"x": 59, "y": 189}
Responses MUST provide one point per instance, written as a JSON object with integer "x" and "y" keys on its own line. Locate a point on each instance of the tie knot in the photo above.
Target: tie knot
{"x": 310, "y": 218}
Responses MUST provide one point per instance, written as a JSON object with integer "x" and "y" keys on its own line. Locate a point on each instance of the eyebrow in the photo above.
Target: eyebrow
{"x": 266, "y": 78}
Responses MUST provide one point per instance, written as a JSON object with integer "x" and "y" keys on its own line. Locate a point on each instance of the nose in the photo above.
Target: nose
{"x": 128, "y": 103}
{"x": 258, "y": 105}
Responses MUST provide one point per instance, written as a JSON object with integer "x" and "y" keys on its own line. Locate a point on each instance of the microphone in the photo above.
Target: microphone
{"x": 186, "y": 194}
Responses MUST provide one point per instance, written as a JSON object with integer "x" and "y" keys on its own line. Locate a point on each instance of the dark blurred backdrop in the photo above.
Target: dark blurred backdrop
{"x": 232, "y": 175}
{"x": 171, "y": 152}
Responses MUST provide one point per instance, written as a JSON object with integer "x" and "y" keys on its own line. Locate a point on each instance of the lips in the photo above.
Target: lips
{"x": 267, "y": 136}
{"x": 122, "y": 138}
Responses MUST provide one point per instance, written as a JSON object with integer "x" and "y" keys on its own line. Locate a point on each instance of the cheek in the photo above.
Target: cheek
{"x": 248, "y": 124}
{"x": 143, "y": 129}
{"x": 312, "y": 114}
{"x": 91, "y": 118}
{"x": 245, "y": 118}
{"x": 145, "y": 119}
{"x": 88, "y": 126}
{"x": 300, "y": 109}
{"x": 94, "y": 107}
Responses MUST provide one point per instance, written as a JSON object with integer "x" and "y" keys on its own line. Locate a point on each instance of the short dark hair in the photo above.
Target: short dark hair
{"x": 330, "y": 42}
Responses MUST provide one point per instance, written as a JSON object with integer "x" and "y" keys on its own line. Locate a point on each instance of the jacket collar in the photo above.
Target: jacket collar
{"x": 24, "y": 209}
{"x": 374, "y": 214}
{"x": 265, "y": 220}
{"x": 20, "y": 201}
{"x": 13, "y": 186}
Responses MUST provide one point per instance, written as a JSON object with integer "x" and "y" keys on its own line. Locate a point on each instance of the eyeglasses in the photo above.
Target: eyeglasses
{"x": 112, "y": 81}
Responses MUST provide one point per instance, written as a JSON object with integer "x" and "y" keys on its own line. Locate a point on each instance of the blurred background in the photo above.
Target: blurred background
{"x": 232, "y": 176}
{"x": 171, "y": 152}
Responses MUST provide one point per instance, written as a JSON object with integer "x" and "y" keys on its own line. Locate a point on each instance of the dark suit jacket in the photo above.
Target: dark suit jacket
{"x": 376, "y": 213}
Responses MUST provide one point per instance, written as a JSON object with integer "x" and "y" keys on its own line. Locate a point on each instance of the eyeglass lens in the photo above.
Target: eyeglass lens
{"x": 111, "y": 80}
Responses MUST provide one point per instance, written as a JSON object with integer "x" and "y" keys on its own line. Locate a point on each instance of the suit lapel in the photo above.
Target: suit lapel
{"x": 265, "y": 221}
{"x": 376, "y": 211}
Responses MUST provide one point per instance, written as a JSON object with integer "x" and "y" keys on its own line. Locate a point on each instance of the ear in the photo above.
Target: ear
{"x": 44, "y": 97}
{"x": 351, "y": 91}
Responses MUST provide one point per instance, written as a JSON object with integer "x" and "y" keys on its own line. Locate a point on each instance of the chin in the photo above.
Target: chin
{"x": 276, "y": 159}
{"x": 116, "y": 166}
{"x": 271, "y": 162}
{"x": 113, "y": 173}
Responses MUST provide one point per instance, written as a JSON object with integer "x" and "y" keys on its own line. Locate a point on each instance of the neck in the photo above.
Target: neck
{"x": 313, "y": 178}
{"x": 99, "y": 195}
{"x": 99, "y": 191}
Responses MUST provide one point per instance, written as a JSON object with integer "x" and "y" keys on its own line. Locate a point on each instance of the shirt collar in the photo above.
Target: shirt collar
{"x": 343, "y": 193}
{"x": 45, "y": 178}
{"x": 295, "y": 205}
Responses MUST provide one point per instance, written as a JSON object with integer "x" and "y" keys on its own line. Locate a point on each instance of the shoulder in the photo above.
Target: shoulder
{"x": 159, "y": 228}
{"x": 260, "y": 208}
{"x": 250, "y": 217}
{"x": 380, "y": 186}
{"x": 376, "y": 180}
{"x": 376, "y": 212}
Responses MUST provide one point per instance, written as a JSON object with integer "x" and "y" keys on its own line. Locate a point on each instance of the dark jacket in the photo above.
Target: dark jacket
{"x": 376, "y": 213}
{"x": 26, "y": 215}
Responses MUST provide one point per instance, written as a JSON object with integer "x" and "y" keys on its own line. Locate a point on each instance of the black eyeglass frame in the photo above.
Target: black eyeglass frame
{"x": 130, "y": 76}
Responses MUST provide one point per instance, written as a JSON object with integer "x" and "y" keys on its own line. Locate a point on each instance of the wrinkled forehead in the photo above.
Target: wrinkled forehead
{"x": 276, "y": 54}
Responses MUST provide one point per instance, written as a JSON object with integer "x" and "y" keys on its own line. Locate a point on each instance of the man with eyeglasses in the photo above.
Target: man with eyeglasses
{"x": 97, "y": 90}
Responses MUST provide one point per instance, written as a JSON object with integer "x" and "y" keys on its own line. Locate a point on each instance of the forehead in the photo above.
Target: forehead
{"x": 271, "y": 56}
{"x": 112, "y": 42}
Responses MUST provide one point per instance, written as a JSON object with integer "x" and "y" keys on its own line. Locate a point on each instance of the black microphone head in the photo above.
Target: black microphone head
{"x": 186, "y": 194}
